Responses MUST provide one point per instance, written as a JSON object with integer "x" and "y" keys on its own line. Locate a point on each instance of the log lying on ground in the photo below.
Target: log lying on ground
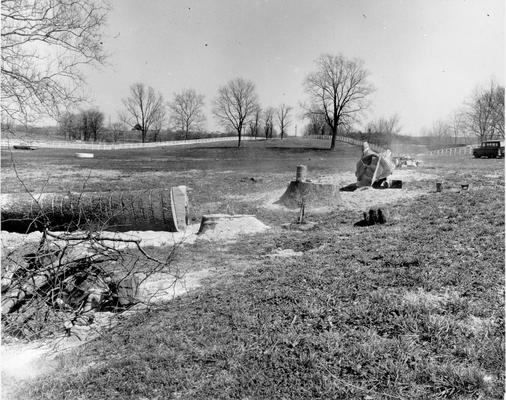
{"x": 312, "y": 195}
{"x": 24, "y": 147}
{"x": 156, "y": 209}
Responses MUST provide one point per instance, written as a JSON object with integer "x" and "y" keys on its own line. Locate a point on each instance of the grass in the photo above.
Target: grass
{"x": 413, "y": 309}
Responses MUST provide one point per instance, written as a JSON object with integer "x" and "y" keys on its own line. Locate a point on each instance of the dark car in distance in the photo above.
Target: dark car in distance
{"x": 490, "y": 148}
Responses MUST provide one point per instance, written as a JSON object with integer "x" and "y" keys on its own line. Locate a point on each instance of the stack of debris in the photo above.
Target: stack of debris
{"x": 53, "y": 287}
{"x": 406, "y": 162}
{"x": 372, "y": 218}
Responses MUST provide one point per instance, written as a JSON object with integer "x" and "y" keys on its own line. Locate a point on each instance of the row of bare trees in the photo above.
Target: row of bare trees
{"x": 481, "y": 118}
{"x": 46, "y": 42}
{"x": 85, "y": 125}
{"x": 69, "y": 34}
{"x": 236, "y": 107}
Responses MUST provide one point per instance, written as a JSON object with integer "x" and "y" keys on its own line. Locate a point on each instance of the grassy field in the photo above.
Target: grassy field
{"x": 413, "y": 309}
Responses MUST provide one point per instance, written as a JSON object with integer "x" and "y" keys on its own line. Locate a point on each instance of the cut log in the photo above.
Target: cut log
{"x": 312, "y": 195}
{"x": 156, "y": 209}
{"x": 179, "y": 207}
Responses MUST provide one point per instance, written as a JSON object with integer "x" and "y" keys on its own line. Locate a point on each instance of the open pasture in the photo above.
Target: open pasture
{"x": 413, "y": 309}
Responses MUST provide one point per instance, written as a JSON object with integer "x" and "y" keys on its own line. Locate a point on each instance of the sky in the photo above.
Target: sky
{"x": 425, "y": 57}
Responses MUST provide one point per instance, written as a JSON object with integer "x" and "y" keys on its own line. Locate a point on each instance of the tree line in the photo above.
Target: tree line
{"x": 236, "y": 107}
{"x": 337, "y": 91}
{"x": 481, "y": 116}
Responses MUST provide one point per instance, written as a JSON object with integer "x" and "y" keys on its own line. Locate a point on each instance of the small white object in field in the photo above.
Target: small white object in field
{"x": 84, "y": 155}
{"x": 285, "y": 253}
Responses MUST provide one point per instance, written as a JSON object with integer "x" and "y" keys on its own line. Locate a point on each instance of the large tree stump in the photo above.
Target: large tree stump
{"x": 312, "y": 195}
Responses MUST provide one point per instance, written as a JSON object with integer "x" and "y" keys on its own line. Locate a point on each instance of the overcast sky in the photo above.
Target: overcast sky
{"x": 424, "y": 57}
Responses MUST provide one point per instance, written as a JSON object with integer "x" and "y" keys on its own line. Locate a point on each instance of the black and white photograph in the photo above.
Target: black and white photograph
{"x": 252, "y": 199}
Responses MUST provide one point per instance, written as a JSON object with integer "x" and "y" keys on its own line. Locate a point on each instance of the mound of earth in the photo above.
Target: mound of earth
{"x": 224, "y": 226}
{"x": 313, "y": 195}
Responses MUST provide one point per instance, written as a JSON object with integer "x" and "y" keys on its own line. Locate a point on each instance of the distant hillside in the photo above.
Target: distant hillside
{"x": 32, "y": 133}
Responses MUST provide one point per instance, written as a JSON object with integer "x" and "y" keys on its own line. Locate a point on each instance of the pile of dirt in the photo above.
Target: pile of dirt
{"x": 312, "y": 195}
{"x": 361, "y": 199}
{"x": 227, "y": 227}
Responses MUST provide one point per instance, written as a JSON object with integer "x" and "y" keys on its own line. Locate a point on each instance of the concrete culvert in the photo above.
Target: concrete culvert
{"x": 121, "y": 211}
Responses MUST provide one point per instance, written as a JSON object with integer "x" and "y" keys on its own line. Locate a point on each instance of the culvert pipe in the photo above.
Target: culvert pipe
{"x": 154, "y": 209}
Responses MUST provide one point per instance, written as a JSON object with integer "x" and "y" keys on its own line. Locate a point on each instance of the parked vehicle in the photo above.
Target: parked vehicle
{"x": 490, "y": 148}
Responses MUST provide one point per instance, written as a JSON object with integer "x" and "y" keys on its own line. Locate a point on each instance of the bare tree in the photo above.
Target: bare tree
{"x": 283, "y": 115}
{"x": 338, "y": 90}
{"x": 235, "y": 105}
{"x": 117, "y": 128}
{"x": 158, "y": 122}
{"x": 457, "y": 124}
{"x": 441, "y": 131}
{"x": 44, "y": 44}
{"x": 187, "y": 111}
{"x": 85, "y": 125}
{"x": 269, "y": 122}
{"x": 92, "y": 122}
{"x": 499, "y": 111}
{"x": 254, "y": 125}
{"x": 384, "y": 129}
{"x": 388, "y": 126}
{"x": 316, "y": 125}
{"x": 484, "y": 116}
{"x": 142, "y": 108}
{"x": 69, "y": 125}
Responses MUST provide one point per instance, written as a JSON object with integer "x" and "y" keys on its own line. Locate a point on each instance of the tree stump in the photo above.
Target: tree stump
{"x": 312, "y": 195}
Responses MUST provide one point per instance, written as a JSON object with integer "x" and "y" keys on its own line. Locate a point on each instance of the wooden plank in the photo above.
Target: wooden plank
{"x": 376, "y": 170}
{"x": 179, "y": 206}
